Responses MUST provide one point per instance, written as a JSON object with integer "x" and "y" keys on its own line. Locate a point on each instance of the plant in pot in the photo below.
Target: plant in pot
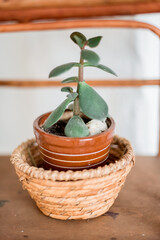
{"x": 78, "y": 133}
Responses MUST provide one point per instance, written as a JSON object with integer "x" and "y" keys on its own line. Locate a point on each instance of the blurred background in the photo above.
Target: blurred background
{"x": 132, "y": 54}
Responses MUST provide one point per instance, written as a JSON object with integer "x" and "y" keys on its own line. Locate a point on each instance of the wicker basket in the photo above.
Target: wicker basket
{"x": 73, "y": 194}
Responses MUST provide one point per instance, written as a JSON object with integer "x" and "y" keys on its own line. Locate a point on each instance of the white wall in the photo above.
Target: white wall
{"x": 131, "y": 53}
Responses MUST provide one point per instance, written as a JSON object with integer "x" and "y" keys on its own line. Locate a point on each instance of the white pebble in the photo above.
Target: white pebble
{"x": 96, "y": 126}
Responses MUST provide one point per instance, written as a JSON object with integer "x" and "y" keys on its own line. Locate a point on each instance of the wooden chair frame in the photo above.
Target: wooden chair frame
{"x": 26, "y": 11}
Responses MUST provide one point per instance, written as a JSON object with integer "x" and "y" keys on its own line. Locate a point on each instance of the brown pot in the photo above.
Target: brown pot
{"x": 63, "y": 153}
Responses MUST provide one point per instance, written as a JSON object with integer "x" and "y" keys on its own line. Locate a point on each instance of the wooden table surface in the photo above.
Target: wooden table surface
{"x": 134, "y": 215}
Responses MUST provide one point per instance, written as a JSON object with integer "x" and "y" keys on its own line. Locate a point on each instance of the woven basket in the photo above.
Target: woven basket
{"x": 73, "y": 194}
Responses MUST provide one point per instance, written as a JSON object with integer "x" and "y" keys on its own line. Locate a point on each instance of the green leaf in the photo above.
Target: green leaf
{"x": 90, "y": 56}
{"x": 78, "y": 38}
{"x": 72, "y": 96}
{"x": 76, "y": 128}
{"x": 70, "y": 80}
{"x": 63, "y": 68}
{"x": 57, "y": 113}
{"x": 91, "y": 103}
{"x": 67, "y": 89}
{"x": 106, "y": 69}
{"x": 102, "y": 67}
{"x": 93, "y": 42}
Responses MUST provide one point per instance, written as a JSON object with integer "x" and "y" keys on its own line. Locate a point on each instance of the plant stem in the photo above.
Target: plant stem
{"x": 76, "y": 109}
{"x": 80, "y": 74}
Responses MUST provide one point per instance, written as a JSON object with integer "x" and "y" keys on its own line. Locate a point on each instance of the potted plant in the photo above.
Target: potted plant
{"x": 77, "y": 136}
{"x": 66, "y": 140}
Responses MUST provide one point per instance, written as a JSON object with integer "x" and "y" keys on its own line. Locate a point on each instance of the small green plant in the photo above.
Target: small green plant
{"x": 85, "y": 99}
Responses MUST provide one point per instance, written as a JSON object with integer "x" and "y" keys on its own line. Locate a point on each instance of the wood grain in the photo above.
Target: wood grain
{"x": 135, "y": 214}
{"x": 95, "y": 83}
{"x": 26, "y": 4}
{"x": 78, "y": 24}
{"x": 27, "y": 15}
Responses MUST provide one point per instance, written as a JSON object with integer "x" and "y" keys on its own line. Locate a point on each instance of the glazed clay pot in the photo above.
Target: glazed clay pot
{"x": 64, "y": 153}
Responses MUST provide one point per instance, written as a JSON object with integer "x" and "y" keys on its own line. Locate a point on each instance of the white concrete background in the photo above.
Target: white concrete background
{"x": 131, "y": 53}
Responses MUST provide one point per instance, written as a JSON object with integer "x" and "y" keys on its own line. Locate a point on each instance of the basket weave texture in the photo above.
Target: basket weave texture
{"x": 73, "y": 194}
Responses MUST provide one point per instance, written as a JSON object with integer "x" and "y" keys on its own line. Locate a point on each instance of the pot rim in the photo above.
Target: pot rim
{"x": 41, "y": 131}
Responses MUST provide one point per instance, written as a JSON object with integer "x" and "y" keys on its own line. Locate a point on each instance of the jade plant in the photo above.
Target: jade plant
{"x": 85, "y": 100}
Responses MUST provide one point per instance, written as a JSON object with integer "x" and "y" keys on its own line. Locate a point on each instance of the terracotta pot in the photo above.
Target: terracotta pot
{"x": 63, "y": 153}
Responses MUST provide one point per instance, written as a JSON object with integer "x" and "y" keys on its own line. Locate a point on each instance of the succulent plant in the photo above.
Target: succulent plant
{"x": 85, "y": 99}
